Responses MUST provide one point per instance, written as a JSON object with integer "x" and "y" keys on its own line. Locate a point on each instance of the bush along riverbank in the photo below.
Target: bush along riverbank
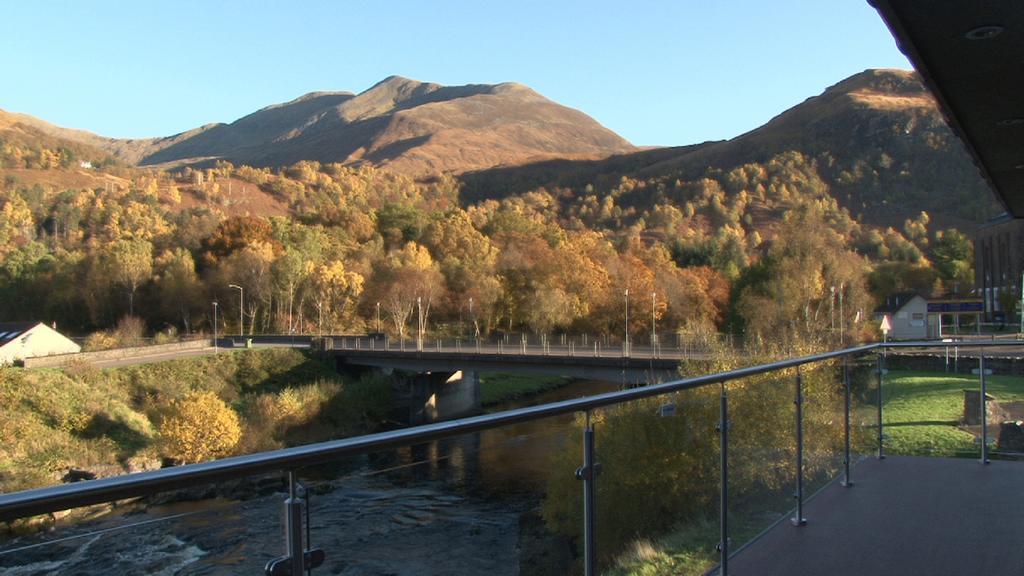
{"x": 79, "y": 422}
{"x": 658, "y": 489}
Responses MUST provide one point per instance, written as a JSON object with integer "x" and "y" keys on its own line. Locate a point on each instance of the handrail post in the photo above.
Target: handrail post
{"x": 984, "y": 409}
{"x": 588, "y": 473}
{"x": 846, "y": 423}
{"x": 881, "y": 373}
{"x": 723, "y": 511}
{"x": 297, "y": 558}
{"x": 798, "y": 519}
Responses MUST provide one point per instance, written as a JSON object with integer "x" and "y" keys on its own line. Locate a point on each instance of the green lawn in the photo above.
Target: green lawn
{"x": 921, "y": 411}
{"x": 499, "y": 387}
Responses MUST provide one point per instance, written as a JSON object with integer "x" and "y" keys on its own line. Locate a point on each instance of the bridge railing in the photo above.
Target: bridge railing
{"x": 721, "y": 455}
{"x": 531, "y": 345}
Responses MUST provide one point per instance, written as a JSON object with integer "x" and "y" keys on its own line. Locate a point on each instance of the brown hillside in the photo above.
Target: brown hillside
{"x": 413, "y": 127}
{"x": 877, "y": 139}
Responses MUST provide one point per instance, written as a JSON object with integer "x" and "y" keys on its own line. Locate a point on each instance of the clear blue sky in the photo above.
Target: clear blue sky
{"x": 662, "y": 72}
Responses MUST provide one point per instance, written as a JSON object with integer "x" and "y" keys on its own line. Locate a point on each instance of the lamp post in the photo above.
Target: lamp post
{"x": 625, "y": 342}
{"x": 654, "y": 319}
{"x": 378, "y": 317}
{"x": 842, "y": 324}
{"x": 472, "y": 318}
{"x": 419, "y": 328}
{"x": 215, "y": 345}
{"x": 241, "y": 309}
{"x": 832, "y": 308}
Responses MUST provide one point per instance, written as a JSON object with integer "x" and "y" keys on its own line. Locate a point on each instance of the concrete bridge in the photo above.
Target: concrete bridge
{"x": 442, "y": 382}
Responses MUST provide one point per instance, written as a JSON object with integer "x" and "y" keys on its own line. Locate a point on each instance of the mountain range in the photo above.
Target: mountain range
{"x": 877, "y": 139}
{"x": 405, "y": 125}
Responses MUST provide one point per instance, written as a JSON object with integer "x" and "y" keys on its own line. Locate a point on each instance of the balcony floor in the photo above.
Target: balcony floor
{"x": 904, "y": 515}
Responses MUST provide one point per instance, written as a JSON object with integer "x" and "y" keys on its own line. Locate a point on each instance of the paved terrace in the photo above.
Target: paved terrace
{"x": 904, "y": 515}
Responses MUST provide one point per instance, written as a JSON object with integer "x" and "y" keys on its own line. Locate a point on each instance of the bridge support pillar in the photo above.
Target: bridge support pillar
{"x": 437, "y": 396}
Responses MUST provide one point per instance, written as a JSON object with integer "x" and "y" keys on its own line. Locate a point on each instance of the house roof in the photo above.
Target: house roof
{"x": 895, "y": 302}
{"x": 12, "y": 330}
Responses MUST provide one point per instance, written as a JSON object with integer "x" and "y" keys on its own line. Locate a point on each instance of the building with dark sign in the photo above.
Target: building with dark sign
{"x": 998, "y": 265}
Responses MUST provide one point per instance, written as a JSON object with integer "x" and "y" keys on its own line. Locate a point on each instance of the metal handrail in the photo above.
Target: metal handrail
{"x": 62, "y": 497}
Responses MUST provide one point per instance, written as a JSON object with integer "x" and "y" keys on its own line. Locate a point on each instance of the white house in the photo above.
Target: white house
{"x": 908, "y": 314}
{"x": 20, "y": 340}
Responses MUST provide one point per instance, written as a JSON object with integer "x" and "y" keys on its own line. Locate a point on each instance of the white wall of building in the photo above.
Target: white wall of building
{"x": 911, "y": 321}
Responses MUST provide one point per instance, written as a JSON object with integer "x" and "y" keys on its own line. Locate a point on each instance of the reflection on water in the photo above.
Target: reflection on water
{"x": 510, "y": 459}
{"x": 473, "y": 497}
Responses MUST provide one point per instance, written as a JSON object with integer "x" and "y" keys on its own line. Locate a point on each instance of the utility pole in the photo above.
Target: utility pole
{"x": 241, "y": 309}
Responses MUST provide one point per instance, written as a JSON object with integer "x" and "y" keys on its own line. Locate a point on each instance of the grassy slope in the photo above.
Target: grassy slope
{"x": 499, "y": 387}
{"x": 52, "y": 420}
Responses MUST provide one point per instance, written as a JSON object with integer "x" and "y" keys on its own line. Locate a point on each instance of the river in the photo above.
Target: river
{"x": 465, "y": 505}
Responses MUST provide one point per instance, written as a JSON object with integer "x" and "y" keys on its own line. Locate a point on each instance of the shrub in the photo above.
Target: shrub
{"x": 129, "y": 331}
{"x": 673, "y": 461}
{"x": 99, "y": 341}
{"x": 199, "y": 427}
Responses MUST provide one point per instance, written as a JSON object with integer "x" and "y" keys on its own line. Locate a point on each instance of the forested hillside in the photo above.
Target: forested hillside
{"x": 849, "y": 196}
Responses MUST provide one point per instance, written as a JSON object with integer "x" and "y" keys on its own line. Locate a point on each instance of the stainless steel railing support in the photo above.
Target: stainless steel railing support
{"x": 881, "y": 374}
{"x": 798, "y": 519}
{"x": 297, "y": 558}
{"x": 723, "y": 511}
{"x": 846, "y": 424}
{"x": 588, "y": 473}
{"x": 983, "y": 402}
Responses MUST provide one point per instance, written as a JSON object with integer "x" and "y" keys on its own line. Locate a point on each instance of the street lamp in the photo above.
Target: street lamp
{"x": 241, "y": 309}
{"x": 378, "y": 317}
{"x": 419, "y": 329}
{"x": 472, "y": 318}
{"x": 654, "y": 319}
{"x": 215, "y": 349}
{"x": 625, "y": 342}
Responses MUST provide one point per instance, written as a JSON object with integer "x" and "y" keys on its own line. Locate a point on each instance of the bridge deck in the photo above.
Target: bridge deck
{"x": 904, "y": 515}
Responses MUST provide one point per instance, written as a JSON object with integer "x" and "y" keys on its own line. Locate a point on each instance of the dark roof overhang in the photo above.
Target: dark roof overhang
{"x": 971, "y": 56}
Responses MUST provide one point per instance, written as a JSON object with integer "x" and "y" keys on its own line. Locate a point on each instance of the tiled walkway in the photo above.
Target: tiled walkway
{"x": 903, "y": 516}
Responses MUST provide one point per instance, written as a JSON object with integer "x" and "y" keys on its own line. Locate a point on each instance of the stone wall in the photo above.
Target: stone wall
{"x": 114, "y": 354}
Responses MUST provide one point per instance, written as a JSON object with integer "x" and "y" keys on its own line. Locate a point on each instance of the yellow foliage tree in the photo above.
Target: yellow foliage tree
{"x": 200, "y": 427}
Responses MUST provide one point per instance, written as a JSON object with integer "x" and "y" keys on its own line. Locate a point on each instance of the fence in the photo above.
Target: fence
{"x": 742, "y": 441}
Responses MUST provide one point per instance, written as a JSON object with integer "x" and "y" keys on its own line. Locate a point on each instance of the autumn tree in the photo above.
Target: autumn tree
{"x": 131, "y": 263}
{"x": 408, "y": 280}
{"x": 335, "y": 291}
{"x": 786, "y": 298}
{"x": 235, "y": 233}
{"x": 180, "y": 290}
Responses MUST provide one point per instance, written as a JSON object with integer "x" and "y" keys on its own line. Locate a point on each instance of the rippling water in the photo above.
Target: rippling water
{"x": 454, "y": 506}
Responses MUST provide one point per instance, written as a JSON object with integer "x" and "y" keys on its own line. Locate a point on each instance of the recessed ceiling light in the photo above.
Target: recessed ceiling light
{"x": 984, "y": 32}
{"x": 1011, "y": 121}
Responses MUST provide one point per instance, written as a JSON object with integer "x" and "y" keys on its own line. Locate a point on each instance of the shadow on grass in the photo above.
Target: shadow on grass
{"x": 922, "y": 423}
{"x": 101, "y": 425}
